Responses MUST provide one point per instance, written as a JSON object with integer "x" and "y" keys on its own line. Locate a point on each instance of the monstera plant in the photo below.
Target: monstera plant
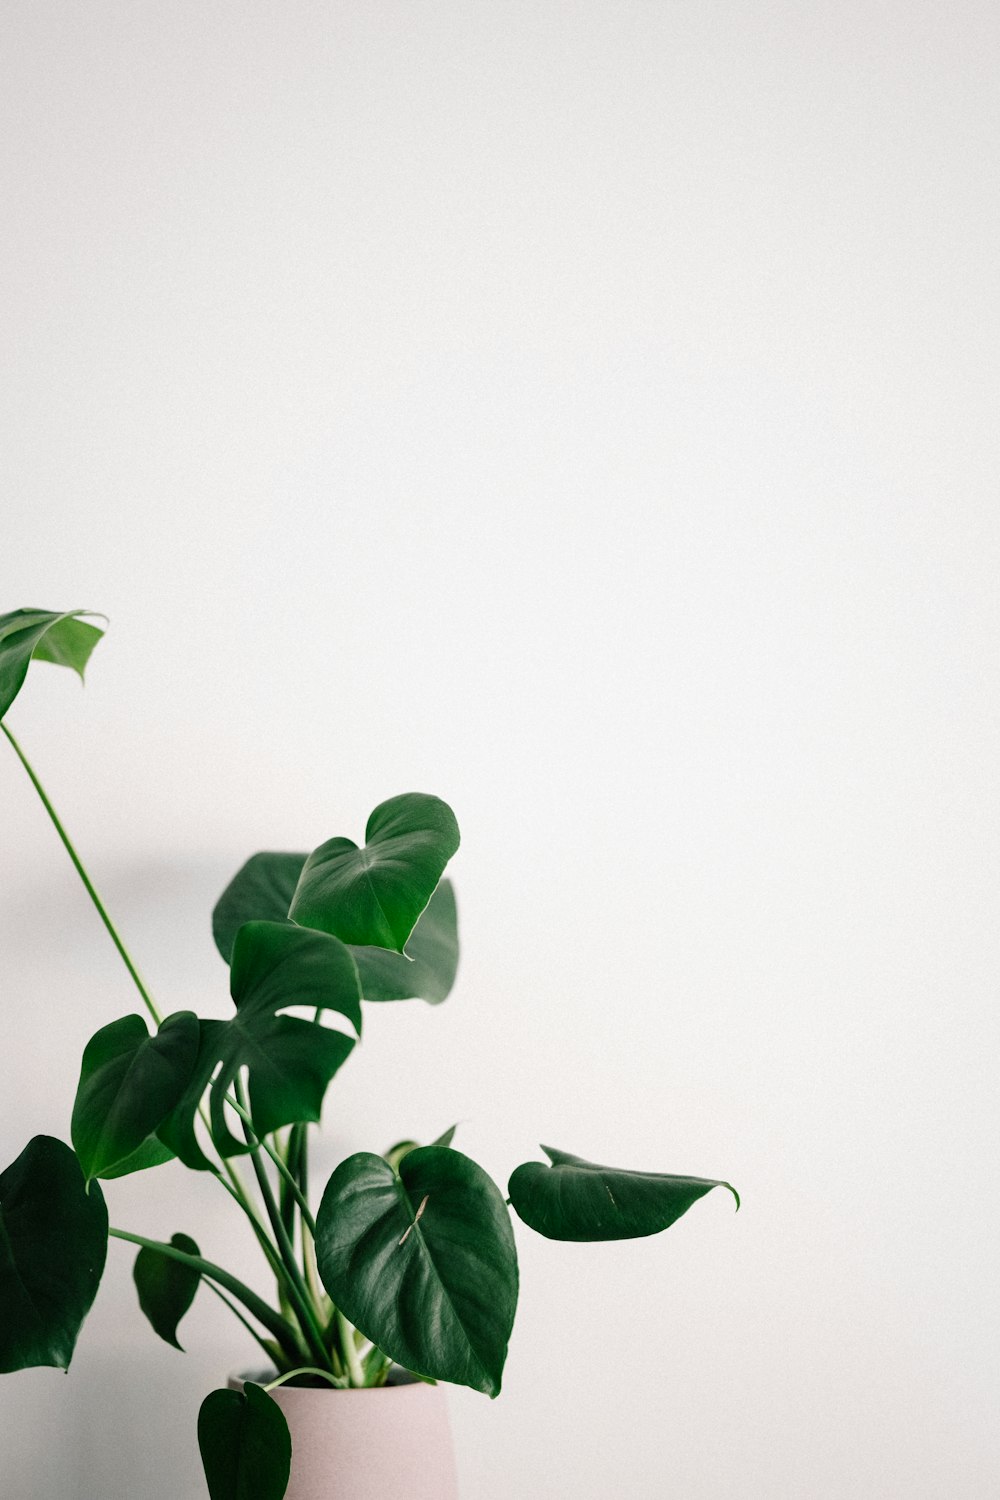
{"x": 409, "y": 1259}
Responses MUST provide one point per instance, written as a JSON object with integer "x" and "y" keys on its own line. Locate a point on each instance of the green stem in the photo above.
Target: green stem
{"x": 258, "y": 1142}
{"x": 295, "y": 1285}
{"x": 355, "y": 1368}
{"x": 234, "y": 1185}
{"x": 269, "y": 1349}
{"x": 337, "y": 1381}
{"x": 290, "y": 1156}
{"x": 88, "y": 883}
{"x": 377, "y": 1366}
{"x": 272, "y": 1321}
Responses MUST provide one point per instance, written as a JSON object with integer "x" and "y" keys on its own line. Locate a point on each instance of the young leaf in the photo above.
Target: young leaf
{"x": 246, "y": 1448}
{"x": 260, "y": 891}
{"x": 45, "y": 636}
{"x": 422, "y": 1262}
{"x": 53, "y": 1244}
{"x": 166, "y": 1288}
{"x": 129, "y": 1083}
{"x": 427, "y": 972}
{"x": 373, "y": 896}
{"x": 577, "y": 1200}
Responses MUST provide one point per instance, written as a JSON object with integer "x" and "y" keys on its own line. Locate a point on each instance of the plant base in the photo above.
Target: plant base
{"x": 391, "y": 1443}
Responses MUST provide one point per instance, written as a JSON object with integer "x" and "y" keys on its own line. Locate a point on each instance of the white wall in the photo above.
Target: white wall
{"x": 586, "y": 413}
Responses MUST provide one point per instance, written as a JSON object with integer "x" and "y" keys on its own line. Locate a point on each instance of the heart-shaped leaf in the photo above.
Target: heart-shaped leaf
{"x": 166, "y": 1286}
{"x": 129, "y": 1083}
{"x": 373, "y": 896}
{"x": 53, "y": 1244}
{"x": 44, "y": 635}
{"x": 246, "y": 1448}
{"x": 578, "y": 1200}
{"x": 428, "y": 970}
{"x": 290, "y": 1061}
{"x": 423, "y": 1262}
{"x": 261, "y": 891}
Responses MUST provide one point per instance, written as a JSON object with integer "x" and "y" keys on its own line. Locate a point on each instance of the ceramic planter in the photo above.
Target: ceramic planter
{"x": 391, "y": 1443}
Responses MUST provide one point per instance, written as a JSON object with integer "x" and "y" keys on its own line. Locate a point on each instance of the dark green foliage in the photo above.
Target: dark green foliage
{"x": 423, "y": 1262}
{"x": 246, "y": 1449}
{"x": 53, "y": 1244}
{"x": 578, "y": 1200}
{"x": 165, "y": 1286}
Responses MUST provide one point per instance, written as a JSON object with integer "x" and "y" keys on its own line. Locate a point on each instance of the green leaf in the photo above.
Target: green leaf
{"x": 166, "y": 1287}
{"x": 395, "y": 1153}
{"x": 43, "y": 635}
{"x": 246, "y": 1448}
{"x": 129, "y": 1083}
{"x": 577, "y": 1200}
{"x": 152, "y": 1153}
{"x": 373, "y": 896}
{"x": 290, "y": 1061}
{"x": 427, "y": 972}
{"x": 177, "y": 1131}
{"x": 261, "y": 891}
{"x": 53, "y": 1244}
{"x": 423, "y": 1263}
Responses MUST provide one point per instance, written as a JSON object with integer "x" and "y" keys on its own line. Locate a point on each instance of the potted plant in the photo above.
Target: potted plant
{"x": 405, "y": 1274}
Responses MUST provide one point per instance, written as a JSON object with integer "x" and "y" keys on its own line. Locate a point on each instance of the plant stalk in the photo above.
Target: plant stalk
{"x": 272, "y": 1321}
{"x": 88, "y": 883}
{"x": 295, "y": 1285}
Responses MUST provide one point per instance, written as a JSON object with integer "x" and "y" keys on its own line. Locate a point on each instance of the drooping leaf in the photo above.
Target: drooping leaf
{"x": 44, "y": 635}
{"x": 373, "y": 896}
{"x": 246, "y": 1448}
{"x": 53, "y": 1244}
{"x": 290, "y": 1061}
{"x": 261, "y": 891}
{"x": 578, "y": 1200}
{"x": 152, "y": 1153}
{"x": 166, "y": 1287}
{"x": 427, "y": 971}
{"x": 423, "y": 1262}
{"x": 129, "y": 1083}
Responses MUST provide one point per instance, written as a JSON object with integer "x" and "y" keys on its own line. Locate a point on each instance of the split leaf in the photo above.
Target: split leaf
{"x": 290, "y": 1061}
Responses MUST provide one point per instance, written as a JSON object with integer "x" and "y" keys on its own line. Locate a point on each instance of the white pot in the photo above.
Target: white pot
{"x": 390, "y": 1443}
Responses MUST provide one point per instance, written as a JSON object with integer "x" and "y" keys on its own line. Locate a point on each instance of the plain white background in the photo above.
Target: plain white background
{"x": 587, "y": 413}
